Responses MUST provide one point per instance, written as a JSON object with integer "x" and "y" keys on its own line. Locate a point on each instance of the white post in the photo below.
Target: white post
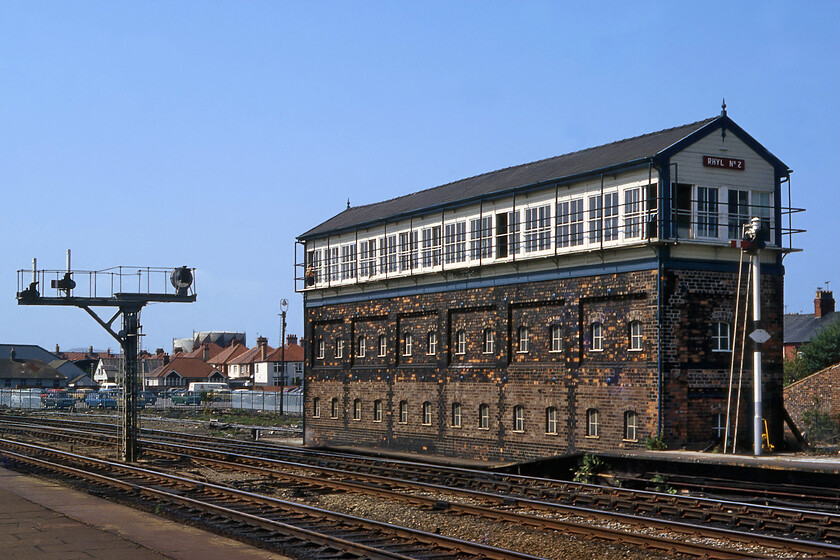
{"x": 758, "y": 418}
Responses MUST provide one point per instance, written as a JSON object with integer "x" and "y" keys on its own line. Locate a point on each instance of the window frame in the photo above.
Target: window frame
{"x": 519, "y": 419}
{"x": 362, "y": 347}
{"x": 334, "y": 408}
{"x": 483, "y": 416}
{"x": 489, "y": 341}
{"x": 718, "y": 337}
{"x": 377, "y": 410}
{"x": 316, "y": 407}
{"x": 383, "y": 346}
{"x": 631, "y": 429}
{"x": 596, "y": 337}
{"x": 320, "y": 349}
{"x": 460, "y": 342}
{"x": 357, "y": 409}
{"x": 551, "y": 424}
{"x": 407, "y": 344}
{"x": 403, "y": 409}
{"x": 427, "y": 413}
{"x": 593, "y": 423}
{"x": 456, "y": 415}
{"x": 339, "y": 348}
{"x": 556, "y": 337}
{"x": 637, "y": 339}
{"x": 431, "y": 343}
{"x": 523, "y": 340}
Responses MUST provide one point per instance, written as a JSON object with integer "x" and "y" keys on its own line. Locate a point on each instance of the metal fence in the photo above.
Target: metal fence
{"x": 263, "y": 401}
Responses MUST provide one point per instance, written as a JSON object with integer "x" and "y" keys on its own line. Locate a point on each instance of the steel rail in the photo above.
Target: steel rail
{"x": 701, "y": 510}
{"x": 452, "y": 545}
{"x": 375, "y": 483}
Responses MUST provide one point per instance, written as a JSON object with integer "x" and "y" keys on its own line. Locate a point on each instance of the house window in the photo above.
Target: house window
{"x": 348, "y": 261}
{"x": 489, "y": 341}
{"x": 319, "y": 354}
{"x": 456, "y": 415}
{"x": 333, "y": 263}
{"x": 461, "y": 342}
{"x": 551, "y": 420}
{"x": 455, "y": 242}
{"x": 519, "y": 418}
{"x": 720, "y": 337}
{"x": 484, "y": 417}
{"x": 383, "y": 345}
{"x": 314, "y": 273}
{"x": 556, "y": 338}
{"x": 632, "y": 213}
{"x": 334, "y": 408}
{"x": 362, "y": 349}
{"x": 403, "y": 412}
{"x": 481, "y": 230}
{"x": 316, "y": 407}
{"x": 431, "y": 343}
{"x": 707, "y": 212}
{"x": 636, "y": 335}
{"x": 357, "y": 409}
{"x": 339, "y": 347}
{"x": 570, "y": 223}
{"x": 762, "y": 208}
{"x": 592, "y": 422}
{"x": 406, "y": 344}
{"x": 524, "y": 339}
{"x": 631, "y": 426}
{"x": 377, "y": 411}
{"x": 427, "y": 413}
{"x": 597, "y": 337}
{"x": 538, "y": 228}
{"x": 738, "y": 212}
{"x": 431, "y": 246}
{"x": 594, "y": 219}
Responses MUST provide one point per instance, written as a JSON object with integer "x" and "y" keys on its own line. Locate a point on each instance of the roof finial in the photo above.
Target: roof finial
{"x": 723, "y": 108}
{"x": 348, "y": 203}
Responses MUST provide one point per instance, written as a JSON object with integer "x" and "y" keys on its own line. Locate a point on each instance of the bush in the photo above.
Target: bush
{"x": 589, "y": 469}
{"x": 656, "y": 443}
{"x": 819, "y": 425}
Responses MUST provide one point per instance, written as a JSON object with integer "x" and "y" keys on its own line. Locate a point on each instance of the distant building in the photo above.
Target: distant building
{"x": 241, "y": 368}
{"x": 221, "y": 338}
{"x": 21, "y": 372}
{"x": 222, "y": 360}
{"x": 271, "y": 371}
{"x": 800, "y": 328}
{"x": 180, "y": 372}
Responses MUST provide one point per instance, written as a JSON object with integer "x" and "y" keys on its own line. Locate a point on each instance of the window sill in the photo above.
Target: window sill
{"x": 596, "y": 349}
{"x": 592, "y": 437}
{"x": 518, "y": 431}
{"x": 485, "y": 429}
{"x": 552, "y": 434}
{"x": 630, "y": 440}
{"x": 634, "y": 349}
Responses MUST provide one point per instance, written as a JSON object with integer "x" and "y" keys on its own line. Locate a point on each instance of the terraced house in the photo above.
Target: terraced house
{"x": 581, "y": 302}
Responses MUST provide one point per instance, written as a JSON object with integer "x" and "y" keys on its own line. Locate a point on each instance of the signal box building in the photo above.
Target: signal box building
{"x": 582, "y": 302}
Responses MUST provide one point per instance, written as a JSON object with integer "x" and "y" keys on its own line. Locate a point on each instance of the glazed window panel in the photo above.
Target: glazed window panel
{"x": 611, "y": 216}
{"x": 383, "y": 345}
{"x": 431, "y": 343}
{"x": 570, "y": 223}
{"x": 407, "y": 344}
{"x": 720, "y": 337}
{"x": 456, "y": 415}
{"x": 633, "y": 213}
{"x": 367, "y": 258}
{"x": 455, "y": 242}
{"x": 556, "y": 338}
{"x": 339, "y": 347}
{"x": 484, "y": 417}
{"x": 592, "y": 423}
{"x": 519, "y": 418}
{"x": 377, "y": 410}
{"x": 707, "y": 212}
{"x": 636, "y": 336}
{"x": 362, "y": 347}
{"x": 524, "y": 340}
{"x": 489, "y": 341}
{"x": 631, "y": 426}
{"x": 461, "y": 342}
{"x": 403, "y": 412}
{"x": 319, "y": 352}
{"x": 333, "y": 264}
{"x": 431, "y": 246}
{"x": 427, "y": 413}
{"x": 348, "y": 261}
{"x": 551, "y": 420}
{"x": 597, "y": 332}
{"x": 334, "y": 408}
{"x": 738, "y": 212}
{"x": 316, "y": 407}
{"x": 538, "y": 228}
{"x": 481, "y": 230}
{"x": 357, "y": 409}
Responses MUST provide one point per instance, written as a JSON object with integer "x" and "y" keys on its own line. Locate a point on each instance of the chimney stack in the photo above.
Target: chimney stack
{"x": 261, "y": 342}
{"x": 823, "y": 303}
{"x": 206, "y": 352}
{"x": 291, "y": 339}
{"x": 90, "y": 350}
{"x": 57, "y": 349}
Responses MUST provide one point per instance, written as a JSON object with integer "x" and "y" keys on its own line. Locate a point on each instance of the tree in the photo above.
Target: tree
{"x": 821, "y": 352}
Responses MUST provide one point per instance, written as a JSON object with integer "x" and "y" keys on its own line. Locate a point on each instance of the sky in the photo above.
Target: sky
{"x": 212, "y": 133}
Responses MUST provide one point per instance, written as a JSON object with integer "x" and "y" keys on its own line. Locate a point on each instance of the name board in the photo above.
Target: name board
{"x": 723, "y": 163}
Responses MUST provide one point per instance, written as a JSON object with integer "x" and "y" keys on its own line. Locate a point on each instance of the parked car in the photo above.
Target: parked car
{"x": 187, "y": 397}
{"x": 58, "y": 399}
{"x": 101, "y": 400}
{"x": 81, "y": 393}
{"x": 148, "y": 398}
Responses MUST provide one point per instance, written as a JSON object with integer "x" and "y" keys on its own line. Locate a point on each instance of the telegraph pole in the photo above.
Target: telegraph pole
{"x": 284, "y": 305}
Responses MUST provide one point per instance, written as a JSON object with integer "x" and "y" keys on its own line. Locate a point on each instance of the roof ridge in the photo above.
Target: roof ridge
{"x": 664, "y": 130}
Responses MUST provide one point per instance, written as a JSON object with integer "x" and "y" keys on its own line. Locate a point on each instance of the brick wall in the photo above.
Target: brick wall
{"x": 614, "y": 380}
{"x": 822, "y": 387}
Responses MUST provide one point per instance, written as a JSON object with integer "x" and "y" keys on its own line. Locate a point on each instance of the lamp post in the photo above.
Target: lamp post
{"x": 284, "y": 305}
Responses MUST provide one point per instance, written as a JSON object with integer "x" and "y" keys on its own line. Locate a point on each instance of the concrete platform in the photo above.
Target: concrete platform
{"x": 42, "y": 520}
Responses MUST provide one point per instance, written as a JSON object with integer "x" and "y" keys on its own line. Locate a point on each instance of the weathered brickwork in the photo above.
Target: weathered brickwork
{"x": 535, "y": 394}
{"x": 821, "y": 388}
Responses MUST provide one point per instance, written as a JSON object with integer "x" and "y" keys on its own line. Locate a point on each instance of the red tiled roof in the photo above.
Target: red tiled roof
{"x": 294, "y": 353}
{"x": 213, "y": 349}
{"x": 252, "y": 355}
{"x": 227, "y": 354}
{"x": 193, "y": 368}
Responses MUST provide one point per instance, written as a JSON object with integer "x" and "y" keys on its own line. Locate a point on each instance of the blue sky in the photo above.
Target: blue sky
{"x": 212, "y": 133}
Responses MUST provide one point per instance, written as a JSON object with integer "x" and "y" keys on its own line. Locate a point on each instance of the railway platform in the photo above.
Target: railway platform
{"x": 42, "y": 520}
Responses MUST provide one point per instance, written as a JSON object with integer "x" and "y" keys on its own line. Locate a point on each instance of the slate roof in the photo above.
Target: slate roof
{"x": 29, "y": 369}
{"x": 802, "y": 327}
{"x": 566, "y": 166}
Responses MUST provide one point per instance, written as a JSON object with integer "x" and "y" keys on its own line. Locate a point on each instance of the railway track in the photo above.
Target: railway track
{"x": 728, "y": 522}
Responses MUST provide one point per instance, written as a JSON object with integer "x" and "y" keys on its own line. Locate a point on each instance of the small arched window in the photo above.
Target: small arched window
{"x": 631, "y": 425}
{"x": 592, "y": 423}
{"x": 597, "y": 331}
{"x": 518, "y": 418}
{"x": 524, "y": 339}
{"x": 362, "y": 347}
{"x": 334, "y": 408}
{"x": 489, "y": 340}
{"x": 551, "y": 420}
{"x": 316, "y": 407}
{"x": 383, "y": 345}
{"x": 636, "y": 335}
{"x": 484, "y": 417}
{"x": 427, "y": 413}
{"x": 461, "y": 342}
{"x": 406, "y": 344}
{"x": 377, "y": 410}
{"x": 403, "y": 412}
{"x": 556, "y": 338}
{"x": 319, "y": 352}
{"x": 456, "y": 415}
{"x": 357, "y": 409}
{"x": 431, "y": 343}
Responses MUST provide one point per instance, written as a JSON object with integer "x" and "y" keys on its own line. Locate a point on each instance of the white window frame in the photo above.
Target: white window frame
{"x": 403, "y": 412}
{"x": 362, "y": 347}
{"x": 519, "y": 418}
{"x": 377, "y": 410}
{"x": 357, "y": 409}
{"x": 460, "y": 342}
{"x": 484, "y": 416}
{"x": 592, "y": 423}
{"x": 383, "y": 345}
{"x": 570, "y": 223}
{"x": 319, "y": 352}
{"x": 631, "y": 426}
{"x": 481, "y": 240}
{"x": 489, "y": 341}
{"x": 707, "y": 206}
{"x": 316, "y": 407}
{"x": 551, "y": 425}
{"x": 633, "y": 204}
{"x": 721, "y": 341}
{"x": 597, "y": 335}
{"x": 431, "y": 343}
{"x": 524, "y": 336}
{"x": 455, "y": 242}
{"x": 538, "y": 228}
{"x": 456, "y": 415}
{"x": 636, "y": 336}
{"x": 556, "y": 339}
{"x": 431, "y": 253}
{"x": 427, "y": 413}
{"x": 339, "y": 348}
{"x": 407, "y": 342}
